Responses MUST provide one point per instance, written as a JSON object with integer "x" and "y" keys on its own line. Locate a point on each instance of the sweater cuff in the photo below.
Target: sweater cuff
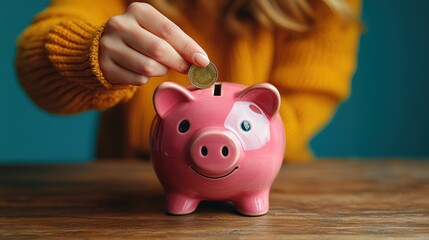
{"x": 73, "y": 48}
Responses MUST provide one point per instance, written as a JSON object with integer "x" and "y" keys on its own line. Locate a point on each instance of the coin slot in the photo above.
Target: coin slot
{"x": 217, "y": 90}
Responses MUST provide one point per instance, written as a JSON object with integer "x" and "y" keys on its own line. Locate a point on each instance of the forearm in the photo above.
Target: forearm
{"x": 57, "y": 62}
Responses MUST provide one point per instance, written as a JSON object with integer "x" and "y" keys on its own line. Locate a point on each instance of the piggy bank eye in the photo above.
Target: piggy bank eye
{"x": 245, "y": 126}
{"x": 184, "y": 126}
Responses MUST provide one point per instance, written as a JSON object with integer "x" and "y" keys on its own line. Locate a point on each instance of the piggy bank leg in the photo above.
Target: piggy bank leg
{"x": 179, "y": 204}
{"x": 253, "y": 205}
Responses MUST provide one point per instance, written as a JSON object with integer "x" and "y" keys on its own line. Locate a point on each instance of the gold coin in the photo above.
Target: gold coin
{"x": 203, "y": 77}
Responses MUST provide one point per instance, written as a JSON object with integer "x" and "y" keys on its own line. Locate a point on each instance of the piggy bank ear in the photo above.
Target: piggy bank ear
{"x": 167, "y": 95}
{"x": 265, "y": 95}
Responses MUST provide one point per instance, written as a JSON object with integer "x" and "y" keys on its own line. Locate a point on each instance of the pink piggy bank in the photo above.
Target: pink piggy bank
{"x": 221, "y": 143}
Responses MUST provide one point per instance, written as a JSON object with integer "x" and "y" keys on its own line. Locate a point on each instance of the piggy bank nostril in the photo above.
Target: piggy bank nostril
{"x": 225, "y": 151}
{"x": 204, "y": 151}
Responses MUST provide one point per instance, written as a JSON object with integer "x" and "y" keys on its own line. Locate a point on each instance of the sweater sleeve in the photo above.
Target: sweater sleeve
{"x": 57, "y": 58}
{"x": 313, "y": 72}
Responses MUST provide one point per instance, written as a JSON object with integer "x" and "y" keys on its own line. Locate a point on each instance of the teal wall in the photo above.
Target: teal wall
{"x": 28, "y": 134}
{"x": 386, "y": 115}
{"x": 388, "y": 111}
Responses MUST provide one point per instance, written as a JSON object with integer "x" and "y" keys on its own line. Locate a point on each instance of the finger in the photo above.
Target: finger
{"x": 115, "y": 73}
{"x": 154, "y": 47}
{"x": 136, "y": 62}
{"x": 153, "y": 21}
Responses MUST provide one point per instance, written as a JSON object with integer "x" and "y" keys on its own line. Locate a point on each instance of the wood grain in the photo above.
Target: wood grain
{"x": 328, "y": 199}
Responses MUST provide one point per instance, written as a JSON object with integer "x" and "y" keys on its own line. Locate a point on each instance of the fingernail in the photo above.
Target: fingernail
{"x": 201, "y": 59}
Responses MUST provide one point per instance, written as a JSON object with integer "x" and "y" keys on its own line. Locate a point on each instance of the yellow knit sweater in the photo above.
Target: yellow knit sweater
{"x": 57, "y": 64}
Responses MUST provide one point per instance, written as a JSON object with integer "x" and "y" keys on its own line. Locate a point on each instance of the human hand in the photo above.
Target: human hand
{"x": 142, "y": 43}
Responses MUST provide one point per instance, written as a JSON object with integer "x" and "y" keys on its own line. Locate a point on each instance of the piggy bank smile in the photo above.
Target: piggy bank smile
{"x": 215, "y": 177}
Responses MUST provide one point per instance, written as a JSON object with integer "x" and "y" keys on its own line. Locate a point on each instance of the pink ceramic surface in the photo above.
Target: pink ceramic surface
{"x": 222, "y": 143}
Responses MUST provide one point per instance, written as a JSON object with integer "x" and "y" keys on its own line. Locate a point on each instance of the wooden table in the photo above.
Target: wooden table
{"x": 329, "y": 199}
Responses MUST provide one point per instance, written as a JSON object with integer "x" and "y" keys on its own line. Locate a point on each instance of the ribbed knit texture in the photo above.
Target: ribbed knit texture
{"x": 57, "y": 64}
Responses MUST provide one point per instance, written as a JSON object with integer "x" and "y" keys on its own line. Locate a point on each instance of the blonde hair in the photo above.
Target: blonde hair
{"x": 294, "y": 15}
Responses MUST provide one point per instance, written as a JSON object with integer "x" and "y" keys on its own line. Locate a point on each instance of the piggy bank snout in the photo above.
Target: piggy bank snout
{"x": 215, "y": 152}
